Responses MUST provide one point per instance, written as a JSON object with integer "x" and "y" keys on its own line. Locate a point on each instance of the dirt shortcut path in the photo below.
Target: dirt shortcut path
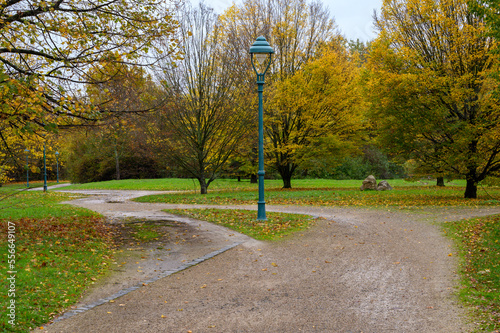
{"x": 356, "y": 270}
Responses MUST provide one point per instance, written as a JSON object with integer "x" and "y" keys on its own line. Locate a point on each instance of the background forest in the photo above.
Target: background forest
{"x": 179, "y": 98}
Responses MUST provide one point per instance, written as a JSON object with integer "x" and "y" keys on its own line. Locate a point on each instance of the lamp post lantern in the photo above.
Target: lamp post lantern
{"x": 27, "y": 168}
{"x": 57, "y": 165}
{"x": 261, "y": 53}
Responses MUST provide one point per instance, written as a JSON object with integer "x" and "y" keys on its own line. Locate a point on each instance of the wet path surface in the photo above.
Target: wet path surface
{"x": 357, "y": 270}
{"x": 185, "y": 242}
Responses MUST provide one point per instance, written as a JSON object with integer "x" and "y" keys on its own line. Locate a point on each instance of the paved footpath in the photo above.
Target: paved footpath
{"x": 356, "y": 270}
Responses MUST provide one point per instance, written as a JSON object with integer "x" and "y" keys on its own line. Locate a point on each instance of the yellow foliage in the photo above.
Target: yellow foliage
{"x": 432, "y": 93}
{"x": 47, "y": 52}
{"x": 320, "y": 106}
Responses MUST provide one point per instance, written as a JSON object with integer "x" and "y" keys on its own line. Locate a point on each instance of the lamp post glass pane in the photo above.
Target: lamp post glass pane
{"x": 261, "y": 60}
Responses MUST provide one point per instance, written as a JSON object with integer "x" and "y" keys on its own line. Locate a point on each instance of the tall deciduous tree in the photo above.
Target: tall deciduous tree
{"x": 125, "y": 88}
{"x": 295, "y": 29}
{"x": 205, "y": 123}
{"x": 431, "y": 88}
{"x": 314, "y": 114}
{"x": 48, "y": 48}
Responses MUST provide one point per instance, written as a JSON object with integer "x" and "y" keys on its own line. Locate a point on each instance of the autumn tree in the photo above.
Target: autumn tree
{"x": 90, "y": 153}
{"x": 13, "y": 154}
{"x": 295, "y": 29}
{"x": 314, "y": 114}
{"x": 203, "y": 121}
{"x": 125, "y": 88}
{"x": 48, "y": 48}
{"x": 431, "y": 89}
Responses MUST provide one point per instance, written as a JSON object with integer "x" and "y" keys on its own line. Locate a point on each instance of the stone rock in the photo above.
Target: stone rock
{"x": 370, "y": 183}
{"x": 384, "y": 186}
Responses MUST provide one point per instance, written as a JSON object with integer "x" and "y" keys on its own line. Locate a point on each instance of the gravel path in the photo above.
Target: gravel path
{"x": 357, "y": 270}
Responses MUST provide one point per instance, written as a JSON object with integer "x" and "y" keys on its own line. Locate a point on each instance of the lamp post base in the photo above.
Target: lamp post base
{"x": 261, "y": 211}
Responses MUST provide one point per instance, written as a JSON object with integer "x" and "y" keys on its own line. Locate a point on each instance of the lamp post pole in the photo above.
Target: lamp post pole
{"x": 57, "y": 165}
{"x": 27, "y": 169}
{"x": 44, "y": 170}
{"x": 260, "y": 53}
{"x": 261, "y": 212}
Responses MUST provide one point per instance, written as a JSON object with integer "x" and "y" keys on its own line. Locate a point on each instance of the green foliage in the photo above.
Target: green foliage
{"x": 491, "y": 181}
{"x": 372, "y": 161}
{"x": 92, "y": 158}
{"x": 430, "y": 88}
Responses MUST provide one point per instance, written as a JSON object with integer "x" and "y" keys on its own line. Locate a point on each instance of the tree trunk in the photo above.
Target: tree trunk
{"x": 117, "y": 162}
{"x": 471, "y": 189}
{"x": 286, "y": 173}
{"x": 203, "y": 185}
{"x": 440, "y": 181}
{"x": 253, "y": 179}
{"x": 287, "y": 182}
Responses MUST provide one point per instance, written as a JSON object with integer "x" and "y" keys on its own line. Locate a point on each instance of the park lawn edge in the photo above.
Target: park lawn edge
{"x": 477, "y": 242}
{"x": 402, "y": 198}
{"x": 276, "y": 227}
{"x": 60, "y": 251}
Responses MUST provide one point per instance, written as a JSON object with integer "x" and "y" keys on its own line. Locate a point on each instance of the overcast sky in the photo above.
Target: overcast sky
{"x": 353, "y": 17}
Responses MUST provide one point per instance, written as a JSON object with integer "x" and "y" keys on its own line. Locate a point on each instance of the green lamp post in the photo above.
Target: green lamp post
{"x": 57, "y": 165}
{"x": 261, "y": 53}
{"x": 27, "y": 168}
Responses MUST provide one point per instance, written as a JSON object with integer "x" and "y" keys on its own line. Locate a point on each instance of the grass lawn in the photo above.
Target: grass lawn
{"x": 401, "y": 197}
{"x": 478, "y": 241}
{"x": 177, "y": 184}
{"x": 56, "y": 252}
{"x": 243, "y": 221}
